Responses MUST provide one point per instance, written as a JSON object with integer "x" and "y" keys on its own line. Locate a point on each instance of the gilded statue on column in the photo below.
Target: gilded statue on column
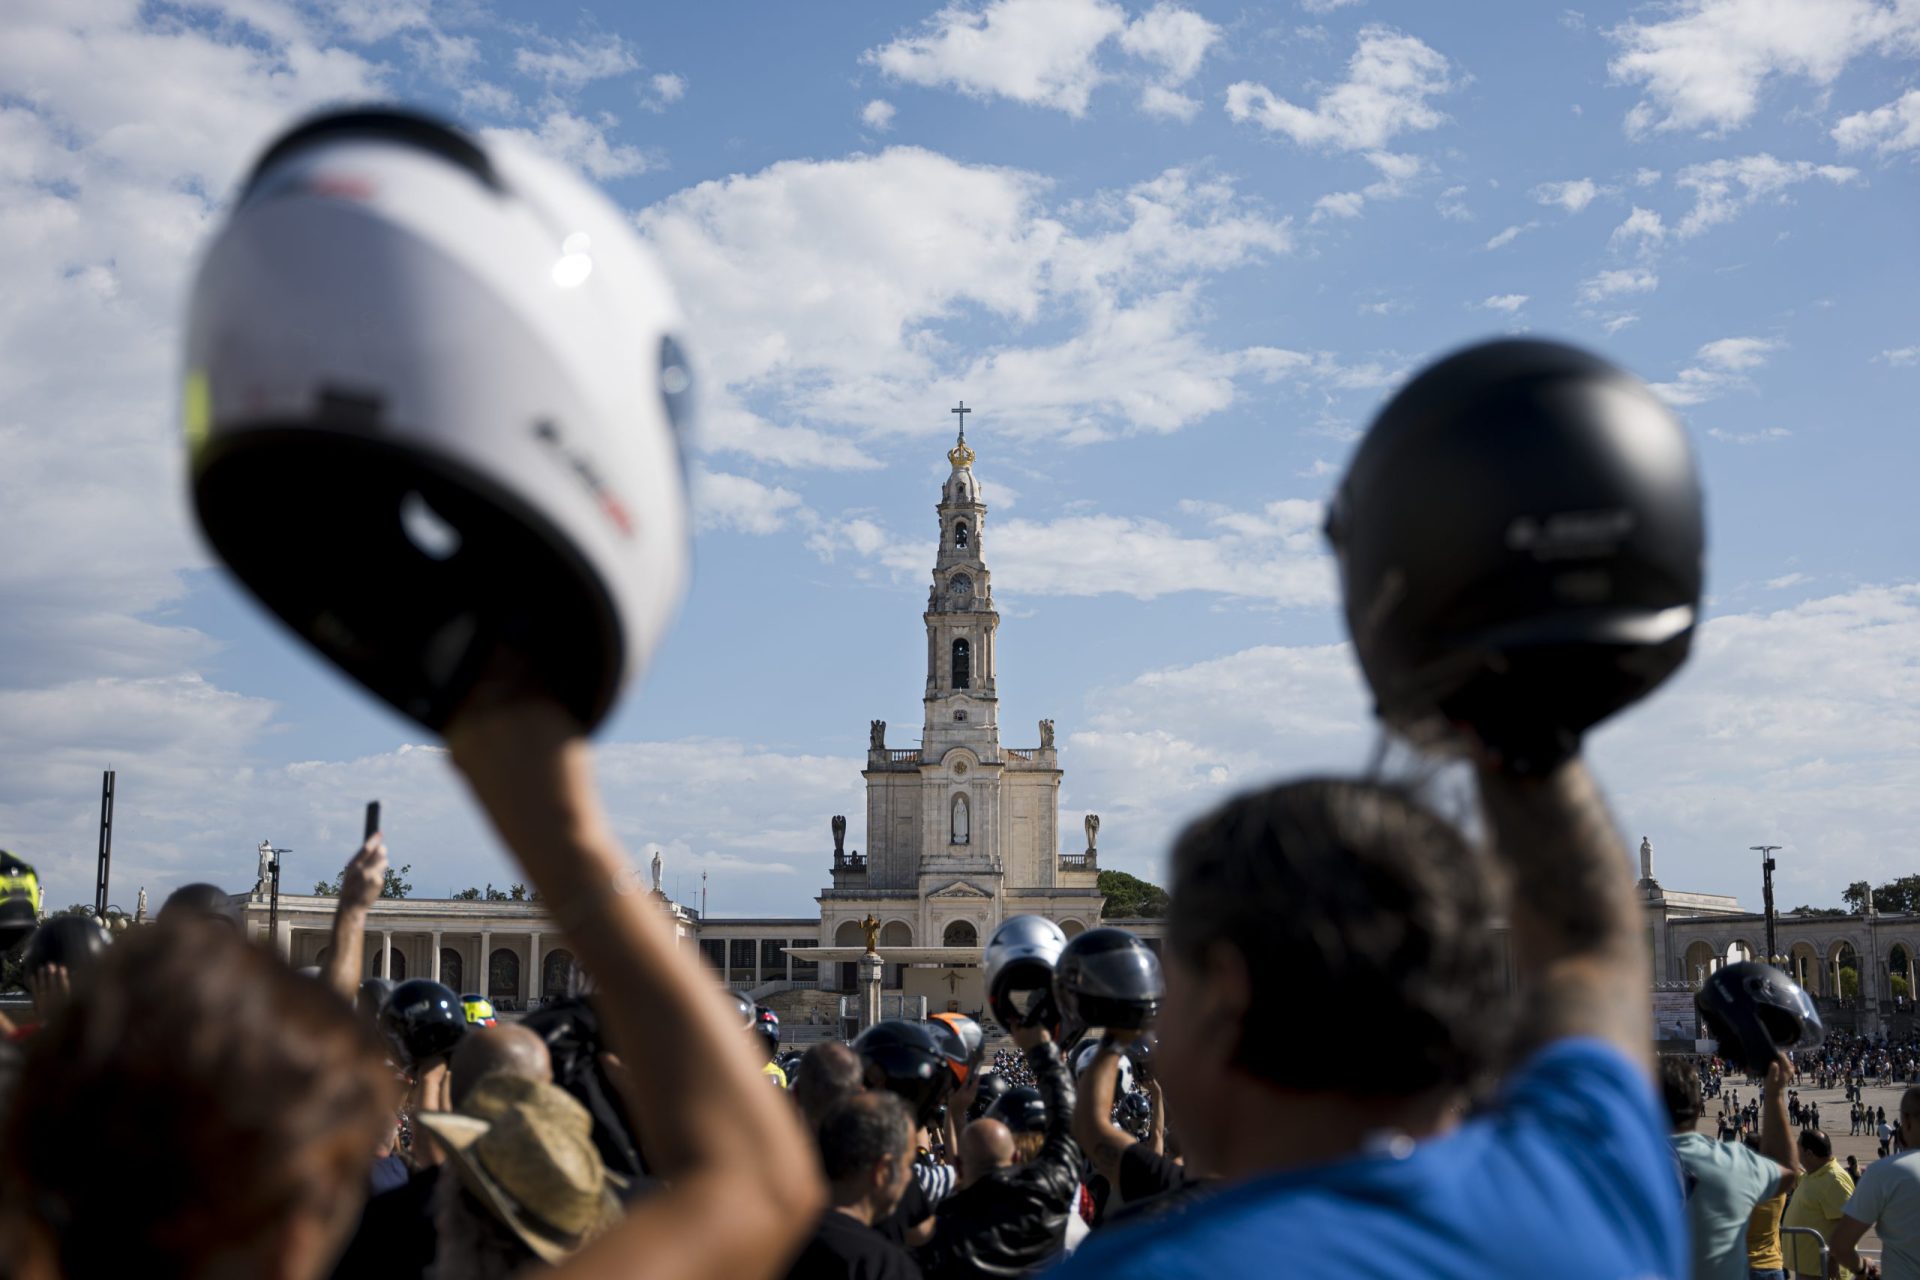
{"x": 871, "y": 927}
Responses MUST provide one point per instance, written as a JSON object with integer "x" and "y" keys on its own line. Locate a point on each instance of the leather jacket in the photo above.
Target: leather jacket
{"x": 1014, "y": 1219}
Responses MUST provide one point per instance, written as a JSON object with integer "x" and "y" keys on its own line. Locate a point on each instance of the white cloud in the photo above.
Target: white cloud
{"x": 1645, "y": 177}
{"x": 1173, "y": 39}
{"x": 1507, "y": 302}
{"x": 582, "y": 143}
{"x": 1502, "y": 239}
{"x": 1389, "y": 80}
{"x": 722, "y": 501}
{"x": 1618, "y": 321}
{"x": 1643, "y": 228}
{"x": 1326, "y": 6}
{"x": 1573, "y": 196}
{"x": 1397, "y": 173}
{"x": 577, "y": 63}
{"x": 1718, "y": 367}
{"x": 877, "y": 115}
{"x": 1040, "y": 52}
{"x": 1900, "y": 357}
{"x": 1786, "y": 580}
{"x": 1047, "y": 52}
{"x": 819, "y": 293}
{"x": 1740, "y": 741}
{"x": 1452, "y": 206}
{"x": 1704, "y": 68}
{"x": 1892, "y": 128}
{"x": 1765, "y": 436}
{"x": 1158, "y": 100}
{"x": 667, "y": 88}
{"x": 1612, "y": 284}
{"x": 1713, "y": 184}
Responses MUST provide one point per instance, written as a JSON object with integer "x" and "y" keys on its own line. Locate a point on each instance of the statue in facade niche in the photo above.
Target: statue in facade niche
{"x": 876, "y": 735}
{"x": 1093, "y": 830}
{"x": 1046, "y": 735}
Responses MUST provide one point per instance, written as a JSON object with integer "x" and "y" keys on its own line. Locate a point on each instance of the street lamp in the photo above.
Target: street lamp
{"x": 273, "y": 897}
{"x": 1766, "y": 888}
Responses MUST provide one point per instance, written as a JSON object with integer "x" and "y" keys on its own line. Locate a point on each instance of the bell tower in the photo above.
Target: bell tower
{"x": 962, "y": 703}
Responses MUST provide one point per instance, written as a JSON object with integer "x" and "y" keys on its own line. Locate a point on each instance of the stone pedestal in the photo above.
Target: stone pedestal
{"x": 871, "y": 968}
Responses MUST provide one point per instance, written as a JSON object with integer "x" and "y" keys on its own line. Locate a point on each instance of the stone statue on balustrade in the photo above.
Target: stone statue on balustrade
{"x": 1093, "y": 832}
{"x": 876, "y": 735}
{"x": 1046, "y": 735}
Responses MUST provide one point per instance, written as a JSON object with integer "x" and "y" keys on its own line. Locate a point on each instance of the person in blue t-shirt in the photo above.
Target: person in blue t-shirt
{"x": 1338, "y": 907}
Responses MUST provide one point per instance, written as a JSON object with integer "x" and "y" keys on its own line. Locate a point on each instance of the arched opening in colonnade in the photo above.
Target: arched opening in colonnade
{"x": 1698, "y": 962}
{"x": 848, "y": 935}
{"x": 1843, "y": 970}
{"x": 1803, "y": 966}
{"x": 1900, "y": 973}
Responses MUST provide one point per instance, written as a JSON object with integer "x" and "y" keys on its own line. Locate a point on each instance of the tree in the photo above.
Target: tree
{"x": 1855, "y": 896}
{"x": 1816, "y": 911}
{"x": 395, "y": 885}
{"x": 1849, "y": 983}
{"x": 1128, "y": 895}
{"x": 1898, "y": 897}
{"x": 468, "y": 894}
{"x": 1901, "y": 989}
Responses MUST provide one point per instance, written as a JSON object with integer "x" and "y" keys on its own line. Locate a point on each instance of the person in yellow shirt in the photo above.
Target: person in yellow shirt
{"x": 1817, "y": 1202}
{"x": 1764, "y": 1259}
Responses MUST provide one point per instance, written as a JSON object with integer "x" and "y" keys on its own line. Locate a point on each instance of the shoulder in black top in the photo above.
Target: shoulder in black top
{"x": 843, "y": 1249}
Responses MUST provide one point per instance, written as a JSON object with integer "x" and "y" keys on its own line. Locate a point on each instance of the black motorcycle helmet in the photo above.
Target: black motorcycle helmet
{"x": 198, "y": 902}
{"x": 766, "y": 1026}
{"x": 423, "y": 1018}
{"x": 1022, "y": 1110}
{"x": 372, "y": 996}
{"x": 1520, "y": 539}
{"x": 18, "y": 920}
{"x": 77, "y": 942}
{"x": 902, "y": 1057}
{"x": 1754, "y": 1011}
{"x": 992, "y": 1087}
{"x": 1108, "y": 978}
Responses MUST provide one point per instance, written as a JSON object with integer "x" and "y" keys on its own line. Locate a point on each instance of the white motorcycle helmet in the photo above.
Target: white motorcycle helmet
{"x": 433, "y": 399}
{"x": 1019, "y": 960}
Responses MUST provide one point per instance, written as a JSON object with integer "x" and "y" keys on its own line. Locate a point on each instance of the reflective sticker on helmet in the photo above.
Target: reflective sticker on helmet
{"x": 196, "y": 407}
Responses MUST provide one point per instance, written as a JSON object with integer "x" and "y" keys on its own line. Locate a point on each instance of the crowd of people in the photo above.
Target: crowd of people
{"x": 379, "y": 328}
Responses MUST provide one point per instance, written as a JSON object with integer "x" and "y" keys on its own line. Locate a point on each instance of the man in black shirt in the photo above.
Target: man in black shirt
{"x": 866, "y": 1150}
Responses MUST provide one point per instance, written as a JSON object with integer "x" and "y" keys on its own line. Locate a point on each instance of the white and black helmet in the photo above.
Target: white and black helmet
{"x": 1019, "y": 960}
{"x": 1083, "y": 1058}
{"x": 433, "y": 396}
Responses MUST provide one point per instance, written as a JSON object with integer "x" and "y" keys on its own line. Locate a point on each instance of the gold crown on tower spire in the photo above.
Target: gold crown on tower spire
{"x": 960, "y": 455}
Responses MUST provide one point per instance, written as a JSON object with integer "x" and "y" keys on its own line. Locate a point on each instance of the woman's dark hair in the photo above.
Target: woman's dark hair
{"x": 1355, "y": 910}
{"x": 196, "y": 1095}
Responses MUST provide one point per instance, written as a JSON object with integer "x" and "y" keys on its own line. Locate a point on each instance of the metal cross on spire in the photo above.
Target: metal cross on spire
{"x": 963, "y": 411}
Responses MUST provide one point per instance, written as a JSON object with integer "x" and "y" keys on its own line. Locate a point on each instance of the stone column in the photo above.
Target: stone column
{"x": 434, "y": 963}
{"x": 386, "y": 953}
{"x": 486, "y": 962}
{"x": 534, "y": 984}
{"x": 870, "y": 969}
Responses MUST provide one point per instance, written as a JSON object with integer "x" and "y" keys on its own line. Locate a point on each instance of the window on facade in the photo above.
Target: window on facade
{"x": 452, "y": 969}
{"x": 961, "y": 534}
{"x": 960, "y": 933}
{"x": 959, "y": 715}
{"x": 962, "y": 664}
{"x": 804, "y": 970}
{"x": 740, "y": 960}
{"x": 714, "y": 952}
{"x": 503, "y": 975}
{"x": 556, "y": 973}
{"x": 773, "y": 960}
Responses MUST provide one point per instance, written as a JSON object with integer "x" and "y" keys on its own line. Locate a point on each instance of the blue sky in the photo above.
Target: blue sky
{"x": 1175, "y": 254}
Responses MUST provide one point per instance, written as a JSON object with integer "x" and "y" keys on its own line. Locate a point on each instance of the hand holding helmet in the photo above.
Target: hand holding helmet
{"x": 1108, "y": 978}
{"x": 1019, "y": 960}
{"x": 423, "y": 1021}
{"x": 1756, "y": 1012}
{"x": 1520, "y": 540}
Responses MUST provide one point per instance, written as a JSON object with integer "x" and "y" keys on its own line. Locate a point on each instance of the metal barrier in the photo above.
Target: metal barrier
{"x": 1826, "y": 1260}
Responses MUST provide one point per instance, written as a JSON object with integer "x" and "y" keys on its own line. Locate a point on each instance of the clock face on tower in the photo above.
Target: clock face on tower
{"x": 961, "y": 588}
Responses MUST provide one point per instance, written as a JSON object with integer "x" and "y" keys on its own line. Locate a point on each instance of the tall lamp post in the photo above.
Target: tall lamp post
{"x": 1766, "y": 852}
{"x": 273, "y": 896}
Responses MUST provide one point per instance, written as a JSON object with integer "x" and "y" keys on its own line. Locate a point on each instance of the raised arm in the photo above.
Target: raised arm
{"x": 743, "y": 1186}
{"x": 1776, "y": 1131}
{"x": 360, "y": 885}
{"x": 1578, "y": 936}
{"x": 1093, "y": 1124}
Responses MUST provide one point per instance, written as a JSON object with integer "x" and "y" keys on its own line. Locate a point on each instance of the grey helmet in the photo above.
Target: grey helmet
{"x": 1019, "y": 960}
{"x": 433, "y": 395}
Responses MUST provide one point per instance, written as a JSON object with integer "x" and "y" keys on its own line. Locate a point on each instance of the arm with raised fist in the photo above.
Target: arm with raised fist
{"x": 743, "y": 1184}
{"x": 1579, "y": 942}
{"x": 360, "y": 884}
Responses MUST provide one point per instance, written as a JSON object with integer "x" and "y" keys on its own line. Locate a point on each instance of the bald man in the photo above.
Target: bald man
{"x": 985, "y": 1145}
{"x": 829, "y": 1073}
{"x": 506, "y": 1047}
